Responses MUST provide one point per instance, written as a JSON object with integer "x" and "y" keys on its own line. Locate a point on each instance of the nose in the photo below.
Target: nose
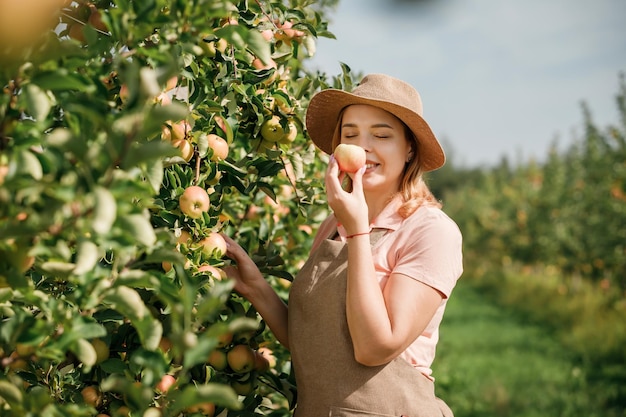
{"x": 364, "y": 142}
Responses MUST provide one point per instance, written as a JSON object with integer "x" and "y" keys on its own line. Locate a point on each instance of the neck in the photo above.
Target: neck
{"x": 377, "y": 202}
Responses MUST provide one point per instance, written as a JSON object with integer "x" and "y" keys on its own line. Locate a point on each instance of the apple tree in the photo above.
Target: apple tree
{"x": 133, "y": 134}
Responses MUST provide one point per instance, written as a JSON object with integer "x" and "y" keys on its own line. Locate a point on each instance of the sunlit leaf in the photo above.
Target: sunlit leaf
{"x": 28, "y": 163}
{"x": 61, "y": 80}
{"x": 214, "y": 393}
{"x": 139, "y": 227}
{"x": 38, "y": 103}
{"x": 10, "y": 393}
{"x": 128, "y": 302}
{"x": 87, "y": 257}
{"x": 85, "y": 352}
{"x": 105, "y": 210}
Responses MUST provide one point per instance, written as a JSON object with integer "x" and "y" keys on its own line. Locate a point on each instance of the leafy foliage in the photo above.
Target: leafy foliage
{"x": 106, "y": 117}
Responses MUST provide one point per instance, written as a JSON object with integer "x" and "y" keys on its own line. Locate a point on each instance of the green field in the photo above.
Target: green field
{"x": 491, "y": 363}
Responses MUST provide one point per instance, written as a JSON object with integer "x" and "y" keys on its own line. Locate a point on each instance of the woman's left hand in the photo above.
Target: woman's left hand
{"x": 350, "y": 207}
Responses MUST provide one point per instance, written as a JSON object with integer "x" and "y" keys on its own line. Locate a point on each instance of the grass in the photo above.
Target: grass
{"x": 492, "y": 364}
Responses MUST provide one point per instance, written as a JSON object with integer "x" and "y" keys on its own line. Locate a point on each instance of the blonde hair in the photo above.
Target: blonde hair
{"x": 413, "y": 189}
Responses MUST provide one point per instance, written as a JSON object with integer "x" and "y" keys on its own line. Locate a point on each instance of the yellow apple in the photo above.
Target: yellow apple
{"x": 206, "y": 409}
{"x": 180, "y": 130}
{"x": 185, "y": 147}
{"x": 241, "y": 358}
{"x": 194, "y": 201}
{"x": 102, "y": 350}
{"x": 271, "y": 130}
{"x": 258, "y": 64}
{"x": 291, "y": 133}
{"x": 171, "y": 83}
{"x": 92, "y": 396}
{"x": 218, "y": 360}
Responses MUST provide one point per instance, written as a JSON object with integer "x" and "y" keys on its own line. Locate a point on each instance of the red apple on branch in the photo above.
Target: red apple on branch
{"x": 219, "y": 146}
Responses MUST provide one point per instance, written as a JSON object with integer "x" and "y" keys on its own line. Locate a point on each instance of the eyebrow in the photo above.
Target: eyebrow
{"x": 377, "y": 125}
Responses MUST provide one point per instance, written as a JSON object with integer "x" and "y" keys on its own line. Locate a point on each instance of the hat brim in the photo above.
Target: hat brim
{"x": 323, "y": 113}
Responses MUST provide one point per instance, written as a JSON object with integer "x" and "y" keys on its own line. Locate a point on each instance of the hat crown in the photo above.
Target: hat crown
{"x": 388, "y": 89}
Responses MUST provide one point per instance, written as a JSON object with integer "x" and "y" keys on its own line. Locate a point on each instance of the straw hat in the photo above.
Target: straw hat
{"x": 388, "y": 93}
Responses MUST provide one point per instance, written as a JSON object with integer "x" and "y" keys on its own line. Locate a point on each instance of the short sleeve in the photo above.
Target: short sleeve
{"x": 429, "y": 249}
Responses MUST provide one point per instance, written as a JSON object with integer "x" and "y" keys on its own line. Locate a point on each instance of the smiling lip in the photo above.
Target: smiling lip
{"x": 370, "y": 165}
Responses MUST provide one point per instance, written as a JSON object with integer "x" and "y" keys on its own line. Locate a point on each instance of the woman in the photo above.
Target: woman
{"x": 364, "y": 312}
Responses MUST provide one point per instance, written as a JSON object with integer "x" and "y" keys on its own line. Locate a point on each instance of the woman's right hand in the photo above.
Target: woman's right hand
{"x": 246, "y": 274}
{"x": 250, "y": 283}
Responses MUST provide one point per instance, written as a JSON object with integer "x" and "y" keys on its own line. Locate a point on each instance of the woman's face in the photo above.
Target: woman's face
{"x": 383, "y": 137}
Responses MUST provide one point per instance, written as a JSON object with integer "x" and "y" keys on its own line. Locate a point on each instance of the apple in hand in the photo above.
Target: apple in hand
{"x": 349, "y": 157}
{"x": 194, "y": 201}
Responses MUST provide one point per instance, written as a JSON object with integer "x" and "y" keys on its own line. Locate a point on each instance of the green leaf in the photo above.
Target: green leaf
{"x": 105, "y": 210}
{"x": 242, "y": 37}
{"x": 158, "y": 115}
{"x": 61, "y": 269}
{"x": 154, "y": 174}
{"x": 11, "y": 393}
{"x": 218, "y": 394}
{"x": 199, "y": 352}
{"x": 85, "y": 352}
{"x": 38, "y": 103}
{"x": 148, "y": 153}
{"x": 267, "y": 189}
{"x": 87, "y": 328}
{"x": 150, "y": 332}
{"x": 61, "y": 80}
{"x": 139, "y": 227}
{"x": 114, "y": 366}
{"x": 128, "y": 302}
{"x": 259, "y": 46}
{"x": 27, "y": 163}
{"x": 87, "y": 256}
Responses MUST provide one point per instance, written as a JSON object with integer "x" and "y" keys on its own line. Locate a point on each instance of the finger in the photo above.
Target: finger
{"x": 333, "y": 167}
{"x": 333, "y": 176}
{"x": 233, "y": 250}
{"x": 357, "y": 180}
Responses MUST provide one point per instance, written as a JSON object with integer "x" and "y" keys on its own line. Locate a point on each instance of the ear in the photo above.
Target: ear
{"x": 409, "y": 156}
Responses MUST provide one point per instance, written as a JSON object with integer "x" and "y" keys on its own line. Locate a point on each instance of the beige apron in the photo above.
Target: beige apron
{"x": 329, "y": 380}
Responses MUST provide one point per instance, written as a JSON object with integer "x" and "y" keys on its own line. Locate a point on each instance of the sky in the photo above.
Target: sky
{"x": 498, "y": 79}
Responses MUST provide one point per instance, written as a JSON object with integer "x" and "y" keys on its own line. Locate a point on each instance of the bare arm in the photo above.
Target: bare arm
{"x": 249, "y": 282}
{"x": 384, "y": 323}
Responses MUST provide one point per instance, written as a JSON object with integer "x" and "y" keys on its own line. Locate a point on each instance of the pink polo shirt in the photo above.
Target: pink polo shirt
{"x": 426, "y": 246}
